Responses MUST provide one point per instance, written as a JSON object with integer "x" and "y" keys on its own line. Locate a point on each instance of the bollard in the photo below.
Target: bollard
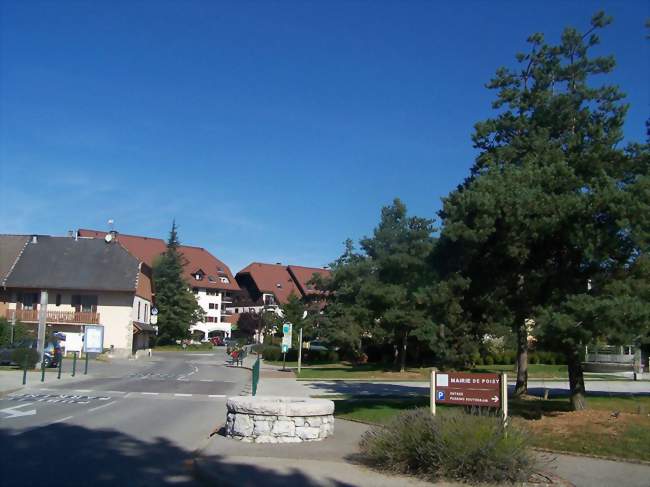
{"x": 25, "y": 371}
{"x": 43, "y": 368}
{"x": 86, "y": 365}
{"x": 74, "y": 363}
{"x": 58, "y": 376}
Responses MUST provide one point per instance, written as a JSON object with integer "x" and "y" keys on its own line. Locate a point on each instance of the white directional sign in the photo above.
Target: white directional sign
{"x": 286, "y": 337}
{"x": 13, "y": 412}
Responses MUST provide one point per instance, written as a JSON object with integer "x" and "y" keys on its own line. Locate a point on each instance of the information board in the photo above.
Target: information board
{"x": 94, "y": 339}
{"x": 467, "y": 389}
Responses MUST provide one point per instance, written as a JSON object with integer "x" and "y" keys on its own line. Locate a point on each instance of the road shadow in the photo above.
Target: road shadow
{"x": 369, "y": 389}
{"x": 70, "y": 455}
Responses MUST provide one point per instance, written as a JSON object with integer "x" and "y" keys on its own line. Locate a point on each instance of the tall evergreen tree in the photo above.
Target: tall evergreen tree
{"x": 177, "y": 305}
{"x": 543, "y": 227}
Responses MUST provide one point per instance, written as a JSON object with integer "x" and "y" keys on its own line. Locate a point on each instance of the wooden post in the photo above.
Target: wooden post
{"x": 504, "y": 397}
{"x": 432, "y": 388}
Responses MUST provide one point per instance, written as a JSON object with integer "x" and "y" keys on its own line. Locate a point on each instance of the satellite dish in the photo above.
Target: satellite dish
{"x": 108, "y": 238}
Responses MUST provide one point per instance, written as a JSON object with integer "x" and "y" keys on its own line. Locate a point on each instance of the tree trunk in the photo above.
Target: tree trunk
{"x": 405, "y": 337}
{"x": 576, "y": 382}
{"x": 521, "y": 387}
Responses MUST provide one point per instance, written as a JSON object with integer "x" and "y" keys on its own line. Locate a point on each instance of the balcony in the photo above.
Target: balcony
{"x": 55, "y": 317}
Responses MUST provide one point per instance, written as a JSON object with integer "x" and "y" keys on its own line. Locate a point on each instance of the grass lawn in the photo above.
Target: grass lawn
{"x": 345, "y": 370}
{"x": 551, "y": 424}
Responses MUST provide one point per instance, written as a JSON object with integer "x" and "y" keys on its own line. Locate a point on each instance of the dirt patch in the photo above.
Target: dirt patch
{"x": 566, "y": 423}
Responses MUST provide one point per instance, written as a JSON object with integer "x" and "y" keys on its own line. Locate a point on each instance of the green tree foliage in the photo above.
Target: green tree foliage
{"x": 382, "y": 291}
{"x": 20, "y": 332}
{"x": 177, "y": 305}
{"x": 552, "y": 223}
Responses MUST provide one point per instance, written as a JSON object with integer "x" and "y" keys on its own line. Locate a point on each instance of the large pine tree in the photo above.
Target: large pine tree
{"x": 177, "y": 305}
{"x": 549, "y": 224}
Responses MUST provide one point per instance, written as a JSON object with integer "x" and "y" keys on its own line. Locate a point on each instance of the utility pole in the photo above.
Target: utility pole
{"x": 42, "y": 322}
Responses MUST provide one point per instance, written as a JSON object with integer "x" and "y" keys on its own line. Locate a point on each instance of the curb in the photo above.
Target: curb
{"x": 634, "y": 461}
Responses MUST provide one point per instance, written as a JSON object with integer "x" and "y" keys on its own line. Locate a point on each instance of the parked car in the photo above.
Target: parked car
{"x": 321, "y": 346}
{"x": 52, "y": 351}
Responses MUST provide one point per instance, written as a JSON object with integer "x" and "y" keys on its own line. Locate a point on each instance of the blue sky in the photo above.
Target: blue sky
{"x": 271, "y": 131}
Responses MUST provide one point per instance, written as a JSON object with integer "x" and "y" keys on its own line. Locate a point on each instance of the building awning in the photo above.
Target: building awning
{"x": 143, "y": 327}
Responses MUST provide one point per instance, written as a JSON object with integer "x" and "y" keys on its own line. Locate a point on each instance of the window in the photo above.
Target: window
{"x": 58, "y": 300}
{"x": 139, "y": 310}
{"x": 224, "y": 280}
{"x": 212, "y": 306}
{"x": 146, "y": 312}
{"x": 84, "y": 302}
{"x": 30, "y": 300}
{"x": 210, "y": 319}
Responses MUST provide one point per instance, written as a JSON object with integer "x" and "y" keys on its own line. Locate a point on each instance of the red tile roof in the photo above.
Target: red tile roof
{"x": 282, "y": 280}
{"x": 148, "y": 249}
{"x": 302, "y": 275}
{"x": 272, "y": 278}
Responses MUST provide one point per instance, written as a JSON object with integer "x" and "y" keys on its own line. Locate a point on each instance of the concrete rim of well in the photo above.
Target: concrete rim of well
{"x": 280, "y": 406}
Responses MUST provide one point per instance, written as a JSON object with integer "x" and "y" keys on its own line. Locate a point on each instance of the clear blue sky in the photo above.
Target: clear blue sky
{"x": 271, "y": 131}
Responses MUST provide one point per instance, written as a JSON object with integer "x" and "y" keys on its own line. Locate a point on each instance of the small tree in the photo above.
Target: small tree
{"x": 177, "y": 305}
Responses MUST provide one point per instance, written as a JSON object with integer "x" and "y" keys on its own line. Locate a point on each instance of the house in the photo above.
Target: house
{"x": 88, "y": 282}
{"x": 208, "y": 277}
{"x": 269, "y": 286}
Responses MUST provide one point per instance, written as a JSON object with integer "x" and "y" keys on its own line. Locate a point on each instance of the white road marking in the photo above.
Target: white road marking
{"x": 14, "y": 413}
{"x": 83, "y": 390}
{"x": 206, "y": 380}
{"x": 150, "y": 393}
{"x": 62, "y": 419}
{"x": 216, "y": 395}
{"x": 102, "y": 406}
{"x": 114, "y": 392}
{"x": 183, "y": 395}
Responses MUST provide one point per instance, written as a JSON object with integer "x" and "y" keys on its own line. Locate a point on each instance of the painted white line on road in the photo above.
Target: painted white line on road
{"x": 216, "y": 395}
{"x": 83, "y": 390}
{"x": 150, "y": 393}
{"x": 114, "y": 392}
{"x": 102, "y": 406}
{"x": 183, "y": 395}
{"x": 14, "y": 413}
{"x": 206, "y": 380}
{"x": 62, "y": 419}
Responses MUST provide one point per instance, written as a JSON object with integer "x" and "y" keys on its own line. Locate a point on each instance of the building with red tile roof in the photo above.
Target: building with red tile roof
{"x": 271, "y": 285}
{"x": 210, "y": 279}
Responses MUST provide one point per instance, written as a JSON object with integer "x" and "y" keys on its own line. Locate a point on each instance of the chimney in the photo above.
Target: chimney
{"x": 114, "y": 235}
{"x": 34, "y": 239}
{"x": 76, "y": 235}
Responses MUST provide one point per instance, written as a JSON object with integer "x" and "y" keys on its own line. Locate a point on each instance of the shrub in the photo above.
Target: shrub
{"x": 20, "y": 355}
{"x": 452, "y": 445}
{"x": 489, "y": 360}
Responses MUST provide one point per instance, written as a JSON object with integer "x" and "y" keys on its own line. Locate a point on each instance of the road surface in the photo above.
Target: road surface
{"x": 130, "y": 423}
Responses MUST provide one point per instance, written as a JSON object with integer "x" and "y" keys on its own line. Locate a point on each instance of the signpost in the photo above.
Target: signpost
{"x": 286, "y": 342}
{"x": 467, "y": 389}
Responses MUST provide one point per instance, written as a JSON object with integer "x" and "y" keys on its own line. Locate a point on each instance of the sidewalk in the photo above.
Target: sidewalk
{"x": 12, "y": 380}
{"x": 326, "y": 463}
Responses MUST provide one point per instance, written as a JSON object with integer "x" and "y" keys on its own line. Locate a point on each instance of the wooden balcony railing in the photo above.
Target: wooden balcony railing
{"x": 31, "y": 315}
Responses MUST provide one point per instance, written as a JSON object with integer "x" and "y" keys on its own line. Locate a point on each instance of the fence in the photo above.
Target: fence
{"x": 256, "y": 375}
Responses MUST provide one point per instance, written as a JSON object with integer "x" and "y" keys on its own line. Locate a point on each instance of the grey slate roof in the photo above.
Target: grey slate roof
{"x": 10, "y": 248}
{"x": 83, "y": 264}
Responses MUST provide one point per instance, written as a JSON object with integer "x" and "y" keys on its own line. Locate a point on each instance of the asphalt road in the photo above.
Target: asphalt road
{"x": 128, "y": 423}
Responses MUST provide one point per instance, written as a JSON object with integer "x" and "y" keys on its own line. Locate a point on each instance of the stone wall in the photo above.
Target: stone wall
{"x": 279, "y": 420}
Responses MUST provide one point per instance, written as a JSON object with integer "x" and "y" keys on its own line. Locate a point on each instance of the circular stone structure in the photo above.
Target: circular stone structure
{"x": 268, "y": 419}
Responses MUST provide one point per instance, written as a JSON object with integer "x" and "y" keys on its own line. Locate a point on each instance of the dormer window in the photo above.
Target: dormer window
{"x": 224, "y": 280}
{"x": 279, "y": 285}
{"x": 198, "y": 275}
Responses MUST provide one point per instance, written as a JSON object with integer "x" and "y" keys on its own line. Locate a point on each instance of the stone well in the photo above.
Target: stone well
{"x": 268, "y": 419}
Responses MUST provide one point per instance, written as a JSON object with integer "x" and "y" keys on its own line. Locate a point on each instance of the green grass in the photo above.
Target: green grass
{"x": 552, "y": 425}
